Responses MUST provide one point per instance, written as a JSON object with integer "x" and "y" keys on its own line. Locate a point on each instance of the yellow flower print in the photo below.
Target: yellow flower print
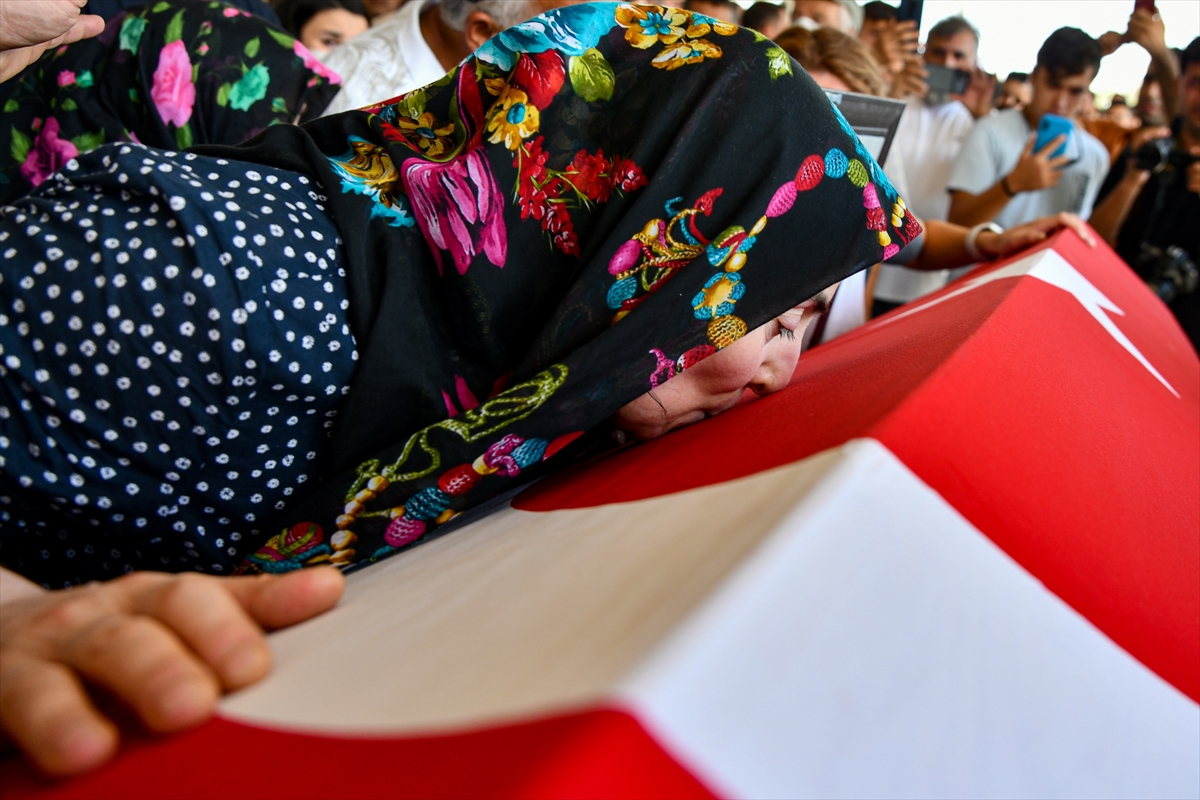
{"x": 682, "y": 53}
{"x": 699, "y": 29}
{"x": 513, "y": 118}
{"x": 645, "y": 26}
{"x": 424, "y": 131}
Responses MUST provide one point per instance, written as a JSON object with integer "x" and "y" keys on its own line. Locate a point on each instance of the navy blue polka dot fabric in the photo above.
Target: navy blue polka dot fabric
{"x": 173, "y": 350}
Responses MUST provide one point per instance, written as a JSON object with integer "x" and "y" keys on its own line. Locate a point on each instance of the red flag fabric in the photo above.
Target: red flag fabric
{"x": 959, "y": 555}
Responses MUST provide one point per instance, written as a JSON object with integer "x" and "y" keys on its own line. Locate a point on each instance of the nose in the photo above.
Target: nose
{"x": 775, "y": 372}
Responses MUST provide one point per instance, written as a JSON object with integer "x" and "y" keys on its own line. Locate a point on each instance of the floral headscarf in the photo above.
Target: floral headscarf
{"x": 595, "y": 201}
{"x": 171, "y": 74}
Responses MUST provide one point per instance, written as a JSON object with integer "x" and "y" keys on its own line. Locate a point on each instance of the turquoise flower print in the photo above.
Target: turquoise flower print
{"x": 571, "y": 31}
{"x": 876, "y": 173}
{"x": 251, "y": 88}
{"x": 131, "y": 33}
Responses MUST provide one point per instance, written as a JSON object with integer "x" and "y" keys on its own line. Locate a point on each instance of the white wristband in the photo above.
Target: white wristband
{"x": 973, "y": 234}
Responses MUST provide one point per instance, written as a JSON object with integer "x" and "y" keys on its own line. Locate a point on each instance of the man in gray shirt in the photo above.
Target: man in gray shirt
{"x": 997, "y": 175}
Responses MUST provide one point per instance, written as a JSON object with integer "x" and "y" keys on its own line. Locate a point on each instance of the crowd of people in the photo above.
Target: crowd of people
{"x": 293, "y": 284}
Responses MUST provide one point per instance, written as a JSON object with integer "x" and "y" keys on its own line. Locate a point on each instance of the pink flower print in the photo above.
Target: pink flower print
{"x": 233, "y": 12}
{"x": 202, "y": 49}
{"x": 173, "y": 92}
{"x": 48, "y": 153}
{"x": 66, "y": 78}
{"x": 313, "y": 63}
{"x": 459, "y": 208}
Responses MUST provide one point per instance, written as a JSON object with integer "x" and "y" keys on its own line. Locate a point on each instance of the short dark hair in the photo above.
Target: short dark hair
{"x": 953, "y": 26}
{"x": 295, "y": 14}
{"x": 1190, "y": 55}
{"x": 878, "y": 10}
{"x": 737, "y": 10}
{"x": 759, "y": 14}
{"x": 1019, "y": 77}
{"x": 1069, "y": 51}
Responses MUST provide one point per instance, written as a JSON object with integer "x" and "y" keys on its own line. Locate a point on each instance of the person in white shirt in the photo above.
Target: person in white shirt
{"x": 927, "y": 142}
{"x": 419, "y": 44}
{"x": 998, "y": 176}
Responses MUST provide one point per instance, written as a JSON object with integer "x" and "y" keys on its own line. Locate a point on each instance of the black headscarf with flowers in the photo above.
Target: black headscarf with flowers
{"x": 170, "y": 74}
{"x": 592, "y": 203}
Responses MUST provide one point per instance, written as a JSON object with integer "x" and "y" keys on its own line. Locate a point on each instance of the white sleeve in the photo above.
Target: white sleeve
{"x": 974, "y": 170}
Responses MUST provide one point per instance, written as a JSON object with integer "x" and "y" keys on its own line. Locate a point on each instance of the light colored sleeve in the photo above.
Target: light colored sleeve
{"x": 975, "y": 169}
{"x": 1098, "y": 165}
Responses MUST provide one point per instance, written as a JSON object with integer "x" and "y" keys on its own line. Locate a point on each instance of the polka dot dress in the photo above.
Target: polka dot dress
{"x": 173, "y": 350}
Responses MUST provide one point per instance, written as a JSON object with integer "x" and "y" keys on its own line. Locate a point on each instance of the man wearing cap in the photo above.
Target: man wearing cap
{"x": 419, "y": 44}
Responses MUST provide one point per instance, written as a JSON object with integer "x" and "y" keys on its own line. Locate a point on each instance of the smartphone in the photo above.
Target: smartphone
{"x": 944, "y": 82}
{"x": 911, "y": 10}
{"x": 1051, "y": 126}
{"x": 1147, "y": 5}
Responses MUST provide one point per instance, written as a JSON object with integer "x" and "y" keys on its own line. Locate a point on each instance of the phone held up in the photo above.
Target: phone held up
{"x": 1051, "y": 126}
{"x": 910, "y": 10}
{"x": 944, "y": 82}
{"x": 1145, "y": 5}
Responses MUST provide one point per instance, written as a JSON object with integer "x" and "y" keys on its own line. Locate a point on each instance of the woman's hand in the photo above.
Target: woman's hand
{"x": 29, "y": 28}
{"x": 1022, "y": 236}
{"x": 165, "y": 645}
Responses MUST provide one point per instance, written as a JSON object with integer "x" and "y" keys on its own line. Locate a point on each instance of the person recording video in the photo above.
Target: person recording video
{"x": 1150, "y": 204}
{"x": 1019, "y": 165}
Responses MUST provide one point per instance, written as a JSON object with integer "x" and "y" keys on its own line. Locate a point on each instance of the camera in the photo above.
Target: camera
{"x": 1157, "y": 154}
{"x": 1169, "y": 273}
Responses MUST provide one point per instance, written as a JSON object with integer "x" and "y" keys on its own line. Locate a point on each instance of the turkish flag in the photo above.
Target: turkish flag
{"x": 958, "y": 556}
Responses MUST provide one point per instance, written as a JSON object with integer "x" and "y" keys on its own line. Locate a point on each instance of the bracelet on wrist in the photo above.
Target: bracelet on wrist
{"x": 970, "y": 245}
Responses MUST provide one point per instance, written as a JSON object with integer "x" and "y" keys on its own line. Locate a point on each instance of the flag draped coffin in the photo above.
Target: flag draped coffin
{"x": 958, "y": 556}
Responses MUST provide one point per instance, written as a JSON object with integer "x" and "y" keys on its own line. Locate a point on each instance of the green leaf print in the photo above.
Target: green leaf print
{"x": 69, "y": 105}
{"x": 85, "y": 80}
{"x": 283, "y": 39}
{"x": 779, "y": 62}
{"x": 223, "y": 94}
{"x": 183, "y": 137}
{"x": 592, "y": 76}
{"x": 20, "y": 145}
{"x": 251, "y": 49}
{"x": 279, "y": 105}
{"x": 160, "y": 7}
{"x": 86, "y": 142}
{"x": 11, "y": 106}
{"x": 174, "y": 29}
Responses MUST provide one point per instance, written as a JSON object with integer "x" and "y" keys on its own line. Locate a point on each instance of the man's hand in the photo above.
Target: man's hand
{"x": 1147, "y": 30}
{"x": 912, "y": 81}
{"x": 980, "y": 96}
{"x": 1022, "y": 236}
{"x": 165, "y": 645}
{"x": 897, "y": 42}
{"x": 1136, "y": 140}
{"x": 1037, "y": 170}
{"x": 29, "y": 28}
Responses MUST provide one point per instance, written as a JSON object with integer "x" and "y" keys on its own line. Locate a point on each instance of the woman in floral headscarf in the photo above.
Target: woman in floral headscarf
{"x": 170, "y": 74}
{"x": 319, "y": 347}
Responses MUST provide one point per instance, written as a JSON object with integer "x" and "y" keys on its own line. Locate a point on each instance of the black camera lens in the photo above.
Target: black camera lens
{"x": 1153, "y": 155}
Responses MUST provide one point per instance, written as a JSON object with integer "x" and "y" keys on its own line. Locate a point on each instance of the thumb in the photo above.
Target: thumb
{"x": 277, "y": 601}
{"x": 1029, "y": 145}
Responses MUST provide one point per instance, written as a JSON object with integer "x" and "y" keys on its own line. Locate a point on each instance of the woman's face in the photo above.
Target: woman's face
{"x": 327, "y": 29}
{"x": 763, "y": 361}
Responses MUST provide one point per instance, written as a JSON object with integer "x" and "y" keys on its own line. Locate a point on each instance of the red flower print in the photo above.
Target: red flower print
{"x": 540, "y": 76}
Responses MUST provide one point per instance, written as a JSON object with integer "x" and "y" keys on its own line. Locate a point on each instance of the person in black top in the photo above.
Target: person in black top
{"x": 1146, "y": 210}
